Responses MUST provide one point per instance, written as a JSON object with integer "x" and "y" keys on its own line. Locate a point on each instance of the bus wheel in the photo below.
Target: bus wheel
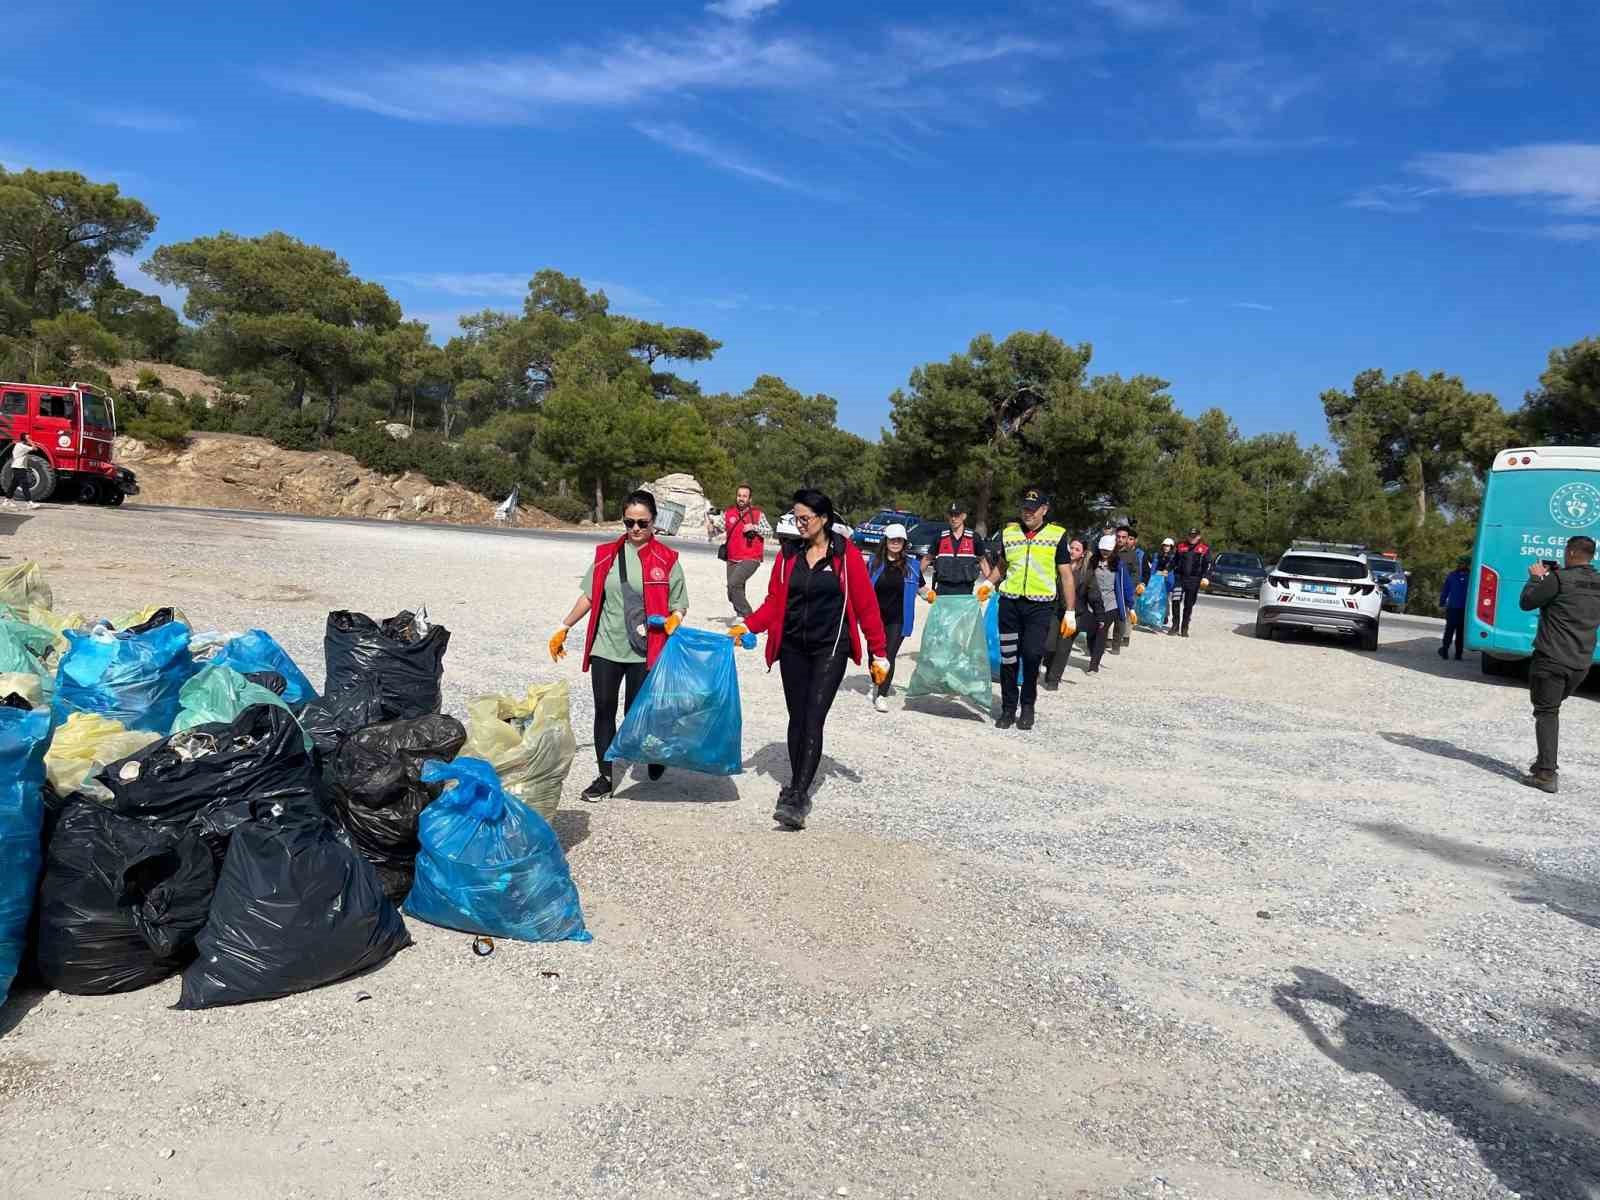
{"x": 1492, "y": 665}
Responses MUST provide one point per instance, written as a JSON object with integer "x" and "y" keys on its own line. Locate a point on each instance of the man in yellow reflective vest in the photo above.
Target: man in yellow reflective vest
{"x": 1029, "y": 563}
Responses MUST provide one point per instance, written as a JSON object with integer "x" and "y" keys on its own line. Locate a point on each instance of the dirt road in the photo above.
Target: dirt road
{"x": 1238, "y": 919}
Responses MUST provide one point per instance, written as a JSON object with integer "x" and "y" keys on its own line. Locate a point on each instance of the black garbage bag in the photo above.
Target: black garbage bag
{"x": 295, "y": 908}
{"x": 408, "y": 668}
{"x": 271, "y": 680}
{"x": 213, "y": 776}
{"x": 331, "y": 718}
{"x": 161, "y": 616}
{"x": 375, "y": 783}
{"x": 120, "y": 902}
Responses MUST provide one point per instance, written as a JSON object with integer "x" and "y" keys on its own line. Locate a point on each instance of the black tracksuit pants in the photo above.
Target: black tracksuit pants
{"x": 608, "y": 679}
{"x": 1549, "y": 684}
{"x": 1455, "y": 622}
{"x": 1191, "y": 593}
{"x": 810, "y": 682}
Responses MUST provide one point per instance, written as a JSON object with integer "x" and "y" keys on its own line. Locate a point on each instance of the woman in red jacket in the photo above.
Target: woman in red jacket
{"x": 820, "y": 604}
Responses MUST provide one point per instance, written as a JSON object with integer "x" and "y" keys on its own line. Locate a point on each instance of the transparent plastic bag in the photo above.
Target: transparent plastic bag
{"x": 217, "y": 695}
{"x": 23, "y": 586}
{"x": 687, "y": 714}
{"x": 954, "y": 660}
{"x": 528, "y": 742}
{"x": 489, "y": 864}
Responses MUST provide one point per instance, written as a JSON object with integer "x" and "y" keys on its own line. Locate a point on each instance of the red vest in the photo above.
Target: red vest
{"x": 656, "y": 562}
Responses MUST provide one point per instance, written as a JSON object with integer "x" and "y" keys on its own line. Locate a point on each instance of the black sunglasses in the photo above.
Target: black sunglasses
{"x": 635, "y": 523}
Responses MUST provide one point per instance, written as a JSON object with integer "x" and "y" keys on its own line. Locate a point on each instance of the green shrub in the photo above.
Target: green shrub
{"x": 148, "y": 380}
{"x": 161, "y": 424}
{"x": 563, "y": 508}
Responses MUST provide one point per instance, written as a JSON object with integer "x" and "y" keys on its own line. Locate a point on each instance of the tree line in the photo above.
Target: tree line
{"x": 574, "y": 403}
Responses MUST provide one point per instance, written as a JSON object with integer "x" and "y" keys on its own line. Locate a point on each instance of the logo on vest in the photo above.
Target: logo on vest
{"x": 657, "y": 574}
{"x": 1575, "y": 505}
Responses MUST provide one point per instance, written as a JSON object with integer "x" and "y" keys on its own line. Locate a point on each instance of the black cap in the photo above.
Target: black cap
{"x": 1195, "y": 532}
{"x": 958, "y": 506}
{"x": 1033, "y": 497}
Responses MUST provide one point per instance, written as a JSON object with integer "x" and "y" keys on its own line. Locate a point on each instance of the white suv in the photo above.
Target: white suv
{"x": 1321, "y": 585}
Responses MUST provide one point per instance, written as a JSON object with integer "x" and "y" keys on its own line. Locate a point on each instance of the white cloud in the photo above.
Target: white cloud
{"x": 1242, "y": 95}
{"x": 740, "y": 10}
{"x": 1573, "y": 231}
{"x": 902, "y": 73}
{"x": 686, "y": 141}
{"x": 1564, "y": 176}
{"x": 1144, "y": 14}
{"x": 484, "y": 284}
{"x": 140, "y": 120}
{"x": 1391, "y": 197}
{"x": 623, "y": 296}
{"x": 1248, "y": 144}
{"x": 1252, "y": 306}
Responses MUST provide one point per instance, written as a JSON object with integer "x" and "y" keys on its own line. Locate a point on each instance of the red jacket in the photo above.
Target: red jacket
{"x": 860, "y": 602}
{"x": 657, "y": 562}
{"x": 1192, "y": 562}
{"x": 741, "y": 548}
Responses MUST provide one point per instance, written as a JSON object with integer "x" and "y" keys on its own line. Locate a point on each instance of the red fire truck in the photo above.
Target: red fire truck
{"x": 71, "y": 430}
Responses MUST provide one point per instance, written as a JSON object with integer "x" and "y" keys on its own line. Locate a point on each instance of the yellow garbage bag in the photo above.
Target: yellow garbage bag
{"x": 86, "y": 742}
{"x": 22, "y": 683}
{"x": 23, "y": 586}
{"x": 129, "y": 620}
{"x": 56, "y": 622}
{"x": 528, "y": 742}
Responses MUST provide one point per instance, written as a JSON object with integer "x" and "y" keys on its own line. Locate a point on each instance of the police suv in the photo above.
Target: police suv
{"x": 1321, "y": 585}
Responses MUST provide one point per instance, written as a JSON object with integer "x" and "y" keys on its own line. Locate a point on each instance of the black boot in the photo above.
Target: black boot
{"x": 1006, "y": 720}
{"x": 1025, "y": 718}
{"x": 598, "y": 790}
{"x": 1545, "y": 781}
{"x": 792, "y": 810}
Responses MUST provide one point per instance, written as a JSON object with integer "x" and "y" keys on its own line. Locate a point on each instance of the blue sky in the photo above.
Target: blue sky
{"x": 1254, "y": 199}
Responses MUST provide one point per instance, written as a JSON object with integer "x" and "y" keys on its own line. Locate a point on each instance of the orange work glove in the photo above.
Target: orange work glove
{"x": 983, "y": 592}
{"x": 1139, "y": 591}
{"x": 1069, "y": 626}
{"x": 1133, "y": 617}
{"x": 1206, "y": 583}
{"x": 558, "y": 643}
{"x": 929, "y": 595}
{"x": 879, "y": 670}
{"x": 737, "y": 631}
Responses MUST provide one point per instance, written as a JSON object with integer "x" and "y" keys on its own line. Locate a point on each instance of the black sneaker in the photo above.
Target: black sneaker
{"x": 785, "y": 798}
{"x": 1025, "y": 718}
{"x": 1443, "y": 653}
{"x": 655, "y": 771}
{"x": 598, "y": 790}
{"x": 790, "y": 817}
{"x": 1005, "y": 720}
{"x": 1545, "y": 781}
{"x": 1050, "y": 685}
{"x": 1185, "y": 633}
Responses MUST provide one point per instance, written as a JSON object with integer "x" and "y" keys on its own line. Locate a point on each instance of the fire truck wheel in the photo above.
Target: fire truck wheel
{"x": 44, "y": 479}
{"x": 89, "y": 491}
{"x": 116, "y": 497}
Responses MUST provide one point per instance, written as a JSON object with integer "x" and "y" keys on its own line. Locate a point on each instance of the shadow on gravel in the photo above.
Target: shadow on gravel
{"x": 772, "y": 760}
{"x": 1443, "y": 749}
{"x": 678, "y": 787}
{"x": 572, "y": 828}
{"x": 1518, "y": 1129}
{"x": 1422, "y": 656}
{"x": 18, "y": 1005}
{"x": 941, "y": 706}
{"x": 1576, "y": 899}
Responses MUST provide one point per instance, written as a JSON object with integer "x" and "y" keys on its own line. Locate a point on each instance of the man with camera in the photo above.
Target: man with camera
{"x": 1568, "y": 602}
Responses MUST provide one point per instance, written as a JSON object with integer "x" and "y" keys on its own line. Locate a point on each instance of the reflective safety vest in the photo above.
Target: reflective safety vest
{"x": 1031, "y": 562}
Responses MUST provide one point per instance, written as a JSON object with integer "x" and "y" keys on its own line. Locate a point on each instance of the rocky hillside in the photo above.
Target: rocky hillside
{"x": 225, "y": 470}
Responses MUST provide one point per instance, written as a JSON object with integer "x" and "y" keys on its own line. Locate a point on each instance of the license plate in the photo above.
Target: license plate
{"x": 1325, "y": 589}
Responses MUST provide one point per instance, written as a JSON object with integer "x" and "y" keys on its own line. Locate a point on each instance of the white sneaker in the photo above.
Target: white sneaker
{"x": 879, "y": 702}
{"x": 33, "y": 504}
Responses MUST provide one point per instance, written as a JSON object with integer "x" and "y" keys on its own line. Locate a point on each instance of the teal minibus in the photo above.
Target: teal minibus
{"x": 1534, "y": 499}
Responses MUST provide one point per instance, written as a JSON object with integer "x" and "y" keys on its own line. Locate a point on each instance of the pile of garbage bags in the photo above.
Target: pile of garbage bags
{"x": 173, "y": 803}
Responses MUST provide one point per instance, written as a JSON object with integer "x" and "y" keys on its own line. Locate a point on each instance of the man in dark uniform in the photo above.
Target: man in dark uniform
{"x": 1568, "y": 602}
{"x": 1192, "y": 565}
{"x": 955, "y": 564}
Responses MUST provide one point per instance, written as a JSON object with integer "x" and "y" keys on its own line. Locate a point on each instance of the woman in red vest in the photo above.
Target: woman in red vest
{"x": 820, "y": 606}
{"x": 635, "y": 597}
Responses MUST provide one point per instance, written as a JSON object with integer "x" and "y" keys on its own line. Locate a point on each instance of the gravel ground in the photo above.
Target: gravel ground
{"x": 1281, "y": 924}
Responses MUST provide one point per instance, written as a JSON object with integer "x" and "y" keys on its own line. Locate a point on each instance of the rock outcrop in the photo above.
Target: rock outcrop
{"x": 684, "y": 490}
{"x": 225, "y": 470}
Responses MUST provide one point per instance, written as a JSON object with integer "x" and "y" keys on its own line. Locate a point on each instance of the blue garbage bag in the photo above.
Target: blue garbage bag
{"x": 687, "y": 714}
{"x": 991, "y": 632}
{"x": 1152, "y": 606}
{"x": 490, "y": 864}
{"x": 130, "y": 677}
{"x": 24, "y": 738}
{"x": 255, "y": 651}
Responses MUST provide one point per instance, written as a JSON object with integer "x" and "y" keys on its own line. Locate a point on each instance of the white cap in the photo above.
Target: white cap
{"x": 1168, "y": 542}
{"x": 1108, "y": 542}
{"x": 894, "y": 531}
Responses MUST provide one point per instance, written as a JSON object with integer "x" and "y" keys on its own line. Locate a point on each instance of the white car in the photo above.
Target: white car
{"x": 1321, "y": 585}
{"x": 786, "y": 528}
